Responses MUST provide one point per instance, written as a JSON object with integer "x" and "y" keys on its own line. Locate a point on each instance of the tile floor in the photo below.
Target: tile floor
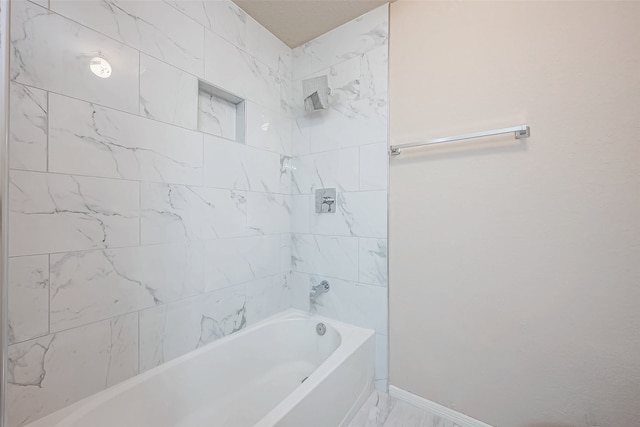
{"x": 382, "y": 410}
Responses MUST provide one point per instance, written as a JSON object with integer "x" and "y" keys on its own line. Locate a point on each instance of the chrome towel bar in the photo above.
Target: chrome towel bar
{"x": 521, "y": 132}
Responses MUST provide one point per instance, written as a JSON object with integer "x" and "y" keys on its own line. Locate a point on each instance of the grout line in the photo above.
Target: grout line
{"x": 48, "y": 131}
{"x": 53, "y": 12}
{"x": 153, "y": 119}
{"x": 169, "y": 184}
{"x": 139, "y": 83}
{"x": 49, "y": 298}
{"x": 163, "y": 305}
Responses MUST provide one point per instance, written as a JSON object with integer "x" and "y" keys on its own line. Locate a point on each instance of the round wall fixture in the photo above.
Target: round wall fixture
{"x": 100, "y": 67}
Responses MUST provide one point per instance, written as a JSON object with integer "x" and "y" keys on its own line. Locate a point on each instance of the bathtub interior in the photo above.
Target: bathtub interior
{"x": 234, "y": 387}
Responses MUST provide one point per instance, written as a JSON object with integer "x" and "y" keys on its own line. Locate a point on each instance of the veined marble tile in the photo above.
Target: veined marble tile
{"x": 156, "y": 29}
{"x": 302, "y": 207}
{"x": 119, "y": 145}
{"x": 28, "y": 293}
{"x": 48, "y": 373}
{"x": 43, "y": 3}
{"x": 177, "y": 213}
{"x": 381, "y": 362}
{"x": 268, "y": 129}
{"x": 285, "y": 252}
{"x": 53, "y": 53}
{"x": 301, "y": 288}
{"x": 286, "y": 174}
{"x": 375, "y": 410}
{"x": 407, "y": 415}
{"x": 223, "y": 17}
{"x": 237, "y": 166}
{"x": 374, "y": 166}
{"x": 268, "y": 49}
{"x": 167, "y": 93}
{"x": 234, "y": 261}
{"x": 325, "y": 255}
{"x": 373, "y": 262}
{"x": 58, "y": 213}
{"x": 358, "y": 108}
{"x": 217, "y": 116}
{"x": 350, "y": 40}
{"x": 236, "y": 71}
{"x": 169, "y": 331}
{"x": 268, "y": 296}
{"x": 352, "y": 302}
{"x": 100, "y": 284}
{"x": 28, "y": 126}
{"x": 301, "y": 134}
{"x": 360, "y": 213}
{"x": 331, "y": 169}
{"x": 268, "y": 213}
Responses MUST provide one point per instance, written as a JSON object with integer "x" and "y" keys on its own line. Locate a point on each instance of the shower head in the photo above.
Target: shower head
{"x": 315, "y": 92}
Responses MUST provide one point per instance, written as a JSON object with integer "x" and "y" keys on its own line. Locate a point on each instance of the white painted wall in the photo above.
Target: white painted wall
{"x": 515, "y": 266}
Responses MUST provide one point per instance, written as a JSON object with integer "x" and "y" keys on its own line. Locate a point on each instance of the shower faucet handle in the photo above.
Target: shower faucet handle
{"x": 326, "y": 200}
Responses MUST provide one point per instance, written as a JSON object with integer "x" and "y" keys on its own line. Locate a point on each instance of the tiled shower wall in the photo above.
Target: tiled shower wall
{"x": 345, "y": 147}
{"x": 134, "y": 237}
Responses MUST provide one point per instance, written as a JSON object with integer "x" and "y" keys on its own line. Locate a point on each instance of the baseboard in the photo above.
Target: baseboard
{"x": 435, "y": 408}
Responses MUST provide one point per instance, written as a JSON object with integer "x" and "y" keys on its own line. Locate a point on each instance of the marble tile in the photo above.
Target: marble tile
{"x": 361, "y": 213}
{"x": 227, "y": 20}
{"x": 58, "y": 213}
{"x": 268, "y": 213}
{"x": 374, "y": 166}
{"x": 352, "y": 302}
{"x": 48, "y": 373}
{"x": 381, "y": 361}
{"x": 217, "y": 116}
{"x": 114, "y": 144}
{"x": 95, "y": 285}
{"x": 358, "y": 107}
{"x": 286, "y": 174}
{"x": 223, "y": 17}
{"x": 268, "y": 296}
{"x": 373, "y": 262}
{"x": 405, "y": 415}
{"x": 168, "y": 94}
{"x": 375, "y": 410}
{"x": 28, "y": 296}
{"x": 237, "y": 166}
{"x": 269, "y": 49}
{"x": 235, "y": 261}
{"x": 160, "y": 30}
{"x": 325, "y": 255}
{"x": 169, "y": 331}
{"x": 285, "y": 252}
{"x": 241, "y": 74}
{"x": 43, "y": 3}
{"x": 301, "y": 134}
{"x": 361, "y": 35}
{"x": 53, "y": 53}
{"x": 301, "y": 287}
{"x": 28, "y": 127}
{"x": 302, "y": 207}
{"x": 177, "y": 213}
{"x": 268, "y": 129}
{"x": 331, "y": 169}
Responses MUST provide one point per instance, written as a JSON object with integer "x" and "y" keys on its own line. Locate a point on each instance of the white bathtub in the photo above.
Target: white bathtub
{"x": 251, "y": 378}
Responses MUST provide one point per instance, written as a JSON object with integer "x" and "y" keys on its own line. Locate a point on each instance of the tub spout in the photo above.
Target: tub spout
{"x": 319, "y": 289}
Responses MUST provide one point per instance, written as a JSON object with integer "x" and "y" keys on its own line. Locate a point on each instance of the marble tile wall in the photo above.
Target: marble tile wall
{"x": 136, "y": 234}
{"x": 135, "y": 237}
{"x": 344, "y": 147}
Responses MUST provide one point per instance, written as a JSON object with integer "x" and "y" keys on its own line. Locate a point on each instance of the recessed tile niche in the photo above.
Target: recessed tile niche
{"x": 220, "y": 113}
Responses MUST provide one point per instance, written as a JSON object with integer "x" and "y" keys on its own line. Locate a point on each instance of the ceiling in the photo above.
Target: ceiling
{"x": 298, "y": 21}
